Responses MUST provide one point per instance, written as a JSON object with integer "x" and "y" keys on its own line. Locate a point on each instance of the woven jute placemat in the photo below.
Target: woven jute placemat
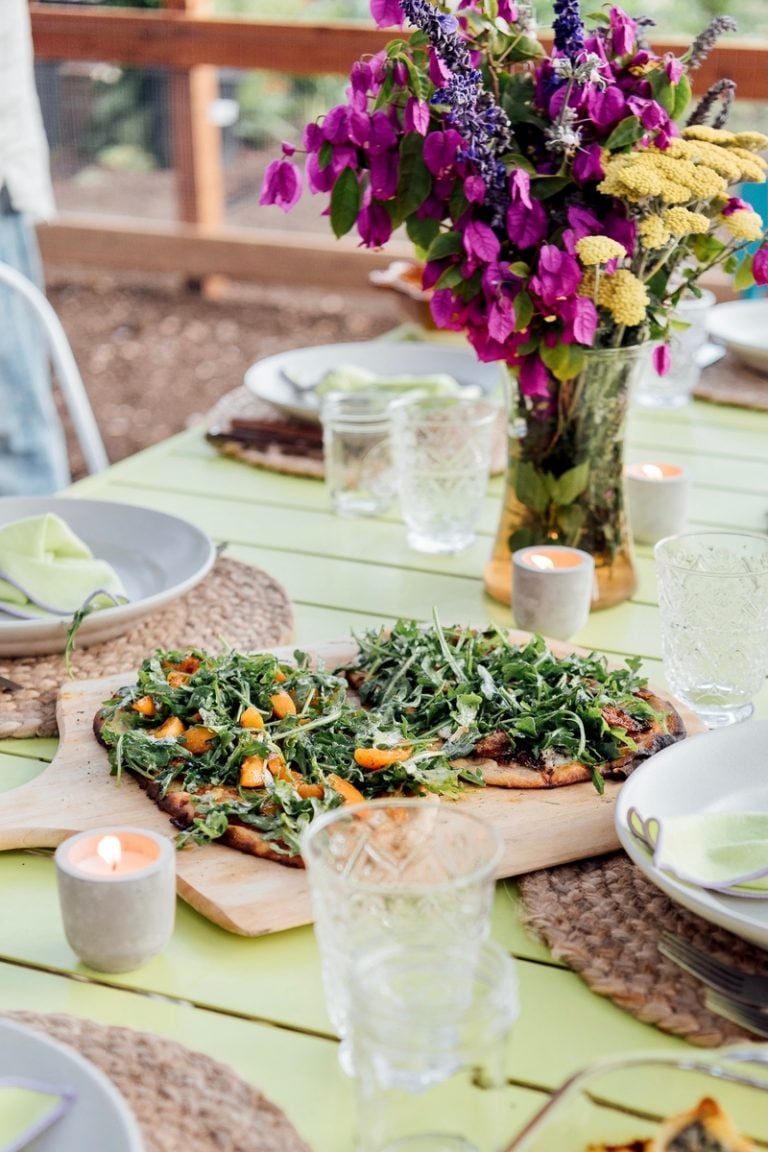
{"x": 297, "y": 446}
{"x": 180, "y": 1098}
{"x": 731, "y": 382}
{"x": 235, "y": 604}
{"x": 603, "y": 919}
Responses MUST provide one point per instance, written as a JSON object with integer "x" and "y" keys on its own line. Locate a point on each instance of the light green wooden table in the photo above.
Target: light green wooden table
{"x": 257, "y": 1003}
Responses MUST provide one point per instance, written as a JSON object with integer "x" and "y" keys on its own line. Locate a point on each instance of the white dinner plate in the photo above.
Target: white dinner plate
{"x": 721, "y": 771}
{"x": 271, "y": 379}
{"x": 157, "y": 557}
{"x": 742, "y": 325}
{"x": 99, "y": 1117}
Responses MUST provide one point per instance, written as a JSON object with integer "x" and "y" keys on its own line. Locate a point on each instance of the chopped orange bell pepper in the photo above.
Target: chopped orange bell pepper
{"x": 145, "y": 705}
{"x": 173, "y": 726}
{"x": 178, "y": 679}
{"x": 375, "y": 758}
{"x": 345, "y": 789}
{"x": 199, "y": 740}
{"x": 282, "y": 705}
{"x": 252, "y": 772}
{"x": 250, "y": 717}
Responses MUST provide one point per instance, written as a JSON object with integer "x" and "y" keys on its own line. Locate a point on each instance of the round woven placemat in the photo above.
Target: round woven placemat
{"x": 731, "y": 382}
{"x": 235, "y": 604}
{"x": 603, "y": 919}
{"x": 180, "y": 1098}
{"x": 242, "y": 404}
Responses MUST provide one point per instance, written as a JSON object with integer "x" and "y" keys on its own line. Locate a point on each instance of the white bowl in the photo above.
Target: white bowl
{"x": 742, "y": 325}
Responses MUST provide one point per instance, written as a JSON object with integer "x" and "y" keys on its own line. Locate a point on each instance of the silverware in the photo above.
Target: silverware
{"x": 7, "y": 685}
{"x": 747, "y": 1016}
{"x": 724, "y": 978}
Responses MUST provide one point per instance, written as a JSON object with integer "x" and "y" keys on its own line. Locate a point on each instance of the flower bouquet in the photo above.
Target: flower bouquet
{"x": 561, "y": 202}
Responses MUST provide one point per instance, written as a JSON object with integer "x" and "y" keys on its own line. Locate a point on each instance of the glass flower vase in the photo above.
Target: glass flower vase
{"x": 565, "y": 475}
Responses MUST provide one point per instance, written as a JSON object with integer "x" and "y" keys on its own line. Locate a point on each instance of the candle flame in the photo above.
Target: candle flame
{"x": 110, "y": 850}
{"x": 652, "y": 471}
{"x": 542, "y": 562}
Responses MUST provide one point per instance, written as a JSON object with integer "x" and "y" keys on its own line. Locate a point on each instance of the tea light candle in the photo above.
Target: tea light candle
{"x": 552, "y": 589}
{"x": 657, "y": 499}
{"x": 117, "y": 895}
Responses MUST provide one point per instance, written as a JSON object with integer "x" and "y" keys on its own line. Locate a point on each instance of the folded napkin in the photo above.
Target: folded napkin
{"x": 723, "y": 851}
{"x": 45, "y": 569}
{"x": 348, "y": 378}
{"x": 28, "y": 1108}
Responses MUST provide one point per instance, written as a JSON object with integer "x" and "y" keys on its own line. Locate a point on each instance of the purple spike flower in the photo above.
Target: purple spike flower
{"x": 568, "y": 29}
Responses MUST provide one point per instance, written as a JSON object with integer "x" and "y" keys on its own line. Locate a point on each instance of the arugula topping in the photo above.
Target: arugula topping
{"x": 270, "y": 744}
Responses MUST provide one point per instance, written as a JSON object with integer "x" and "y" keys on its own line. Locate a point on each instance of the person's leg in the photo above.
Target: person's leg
{"x": 33, "y": 457}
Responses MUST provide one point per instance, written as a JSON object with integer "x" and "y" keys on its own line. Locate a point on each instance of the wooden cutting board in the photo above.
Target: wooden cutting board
{"x": 250, "y": 896}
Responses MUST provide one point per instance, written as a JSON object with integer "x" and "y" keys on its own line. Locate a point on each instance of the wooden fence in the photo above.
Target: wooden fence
{"x": 192, "y": 45}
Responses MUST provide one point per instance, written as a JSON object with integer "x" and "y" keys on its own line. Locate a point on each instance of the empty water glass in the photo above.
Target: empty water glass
{"x": 713, "y": 597}
{"x": 429, "y": 1039}
{"x": 405, "y": 872}
{"x": 441, "y": 447}
{"x": 675, "y": 388}
{"x": 358, "y": 466}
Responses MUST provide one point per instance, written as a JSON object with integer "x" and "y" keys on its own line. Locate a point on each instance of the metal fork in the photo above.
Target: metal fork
{"x": 746, "y": 1015}
{"x": 722, "y": 977}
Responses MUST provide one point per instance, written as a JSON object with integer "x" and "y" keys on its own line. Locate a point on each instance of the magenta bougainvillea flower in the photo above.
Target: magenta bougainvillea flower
{"x": 558, "y": 200}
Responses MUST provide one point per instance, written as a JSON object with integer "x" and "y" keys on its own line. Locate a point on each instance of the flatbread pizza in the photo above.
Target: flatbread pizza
{"x": 249, "y": 748}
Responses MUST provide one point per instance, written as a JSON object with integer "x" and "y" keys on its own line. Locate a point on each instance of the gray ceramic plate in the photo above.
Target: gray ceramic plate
{"x": 742, "y": 325}
{"x": 99, "y": 1117}
{"x": 158, "y": 558}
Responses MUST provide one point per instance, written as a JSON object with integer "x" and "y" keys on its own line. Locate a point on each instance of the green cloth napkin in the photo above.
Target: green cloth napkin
{"x": 724, "y": 851}
{"x": 28, "y": 1108}
{"x": 348, "y": 378}
{"x": 45, "y": 569}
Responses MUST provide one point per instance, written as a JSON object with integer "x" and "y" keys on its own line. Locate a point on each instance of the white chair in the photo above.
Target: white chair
{"x": 67, "y": 373}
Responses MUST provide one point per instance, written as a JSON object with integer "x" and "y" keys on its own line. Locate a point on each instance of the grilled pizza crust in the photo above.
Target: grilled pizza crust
{"x": 705, "y": 1126}
{"x": 504, "y": 771}
{"x": 182, "y": 807}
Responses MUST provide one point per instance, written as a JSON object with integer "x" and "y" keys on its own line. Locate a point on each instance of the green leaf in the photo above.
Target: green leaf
{"x": 521, "y": 269}
{"x": 446, "y": 244}
{"x": 564, "y": 360}
{"x": 451, "y": 278}
{"x": 521, "y": 538}
{"x": 743, "y": 278}
{"x": 531, "y": 487}
{"x": 421, "y": 233}
{"x": 523, "y": 311}
{"x": 663, "y": 90}
{"x": 345, "y": 202}
{"x": 457, "y": 204}
{"x": 414, "y": 181}
{"x": 570, "y": 520}
{"x": 325, "y": 155}
{"x": 419, "y": 84}
{"x": 627, "y": 131}
{"x": 571, "y": 484}
{"x": 545, "y": 186}
{"x": 682, "y": 97}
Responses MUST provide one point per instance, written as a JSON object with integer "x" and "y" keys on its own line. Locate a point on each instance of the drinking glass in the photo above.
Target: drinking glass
{"x": 441, "y": 447}
{"x": 675, "y": 388}
{"x": 356, "y": 451}
{"x": 713, "y": 596}
{"x": 429, "y": 1038}
{"x": 405, "y": 872}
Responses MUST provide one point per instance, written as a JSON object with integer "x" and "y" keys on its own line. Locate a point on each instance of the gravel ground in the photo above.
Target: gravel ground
{"x": 155, "y": 357}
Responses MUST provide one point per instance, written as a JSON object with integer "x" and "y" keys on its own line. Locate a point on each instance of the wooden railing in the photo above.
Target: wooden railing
{"x": 192, "y": 45}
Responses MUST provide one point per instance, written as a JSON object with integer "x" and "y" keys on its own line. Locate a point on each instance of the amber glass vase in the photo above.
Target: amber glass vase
{"x": 565, "y": 475}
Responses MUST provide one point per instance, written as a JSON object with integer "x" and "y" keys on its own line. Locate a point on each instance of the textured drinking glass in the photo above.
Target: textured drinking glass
{"x": 713, "y": 596}
{"x": 405, "y": 872}
{"x": 429, "y": 1039}
{"x": 441, "y": 448}
{"x": 675, "y": 388}
{"x": 358, "y": 465}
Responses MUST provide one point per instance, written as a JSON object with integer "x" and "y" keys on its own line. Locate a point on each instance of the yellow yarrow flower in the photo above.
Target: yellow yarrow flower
{"x": 629, "y": 181}
{"x": 599, "y": 249}
{"x": 653, "y": 233}
{"x": 744, "y": 225}
{"x": 720, "y": 160}
{"x": 752, "y": 166}
{"x": 682, "y": 222}
{"x": 624, "y": 296}
{"x": 754, "y": 141}
{"x": 711, "y": 135}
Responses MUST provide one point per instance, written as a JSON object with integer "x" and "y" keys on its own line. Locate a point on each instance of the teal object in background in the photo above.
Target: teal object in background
{"x": 756, "y": 195}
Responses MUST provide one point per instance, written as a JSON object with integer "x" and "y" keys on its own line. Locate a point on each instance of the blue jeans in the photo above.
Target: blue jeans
{"x": 33, "y": 457}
